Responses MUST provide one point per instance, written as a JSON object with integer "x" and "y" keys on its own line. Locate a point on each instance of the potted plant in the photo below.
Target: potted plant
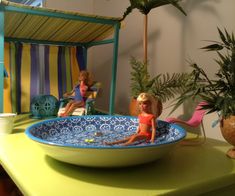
{"x": 162, "y": 86}
{"x": 218, "y": 92}
{"x": 141, "y": 81}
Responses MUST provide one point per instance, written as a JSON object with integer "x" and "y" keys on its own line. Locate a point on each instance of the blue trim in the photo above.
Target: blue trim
{"x": 84, "y": 52}
{"x": 60, "y": 79}
{"x": 81, "y": 59}
{"x": 28, "y": 133}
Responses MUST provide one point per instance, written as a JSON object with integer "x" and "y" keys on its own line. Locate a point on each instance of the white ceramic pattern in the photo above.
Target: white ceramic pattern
{"x": 80, "y": 140}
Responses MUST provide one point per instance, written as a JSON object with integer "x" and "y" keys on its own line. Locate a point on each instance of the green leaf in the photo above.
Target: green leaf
{"x": 222, "y": 37}
{"x": 218, "y": 92}
{"x": 145, "y": 6}
{"x": 213, "y": 47}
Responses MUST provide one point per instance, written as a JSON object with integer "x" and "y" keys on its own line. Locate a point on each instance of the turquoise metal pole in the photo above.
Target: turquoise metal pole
{"x": 114, "y": 69}
{"x": 95, "y": 43}
{"x": 1, "y": 58}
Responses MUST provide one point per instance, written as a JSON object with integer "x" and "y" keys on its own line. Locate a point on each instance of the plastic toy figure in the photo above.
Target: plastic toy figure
{"x": 78, "y": 94}
{"x": 146, "y": 130}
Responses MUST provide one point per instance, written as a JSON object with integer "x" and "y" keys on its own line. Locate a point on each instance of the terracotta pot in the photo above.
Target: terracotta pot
{"x": 133, "y": 109}
{"x": 227, "y": 127}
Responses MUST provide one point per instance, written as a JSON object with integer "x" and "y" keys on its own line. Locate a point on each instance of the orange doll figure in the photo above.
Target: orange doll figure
{"x": 78, "y": 94}
{"x": 146, "y": 130}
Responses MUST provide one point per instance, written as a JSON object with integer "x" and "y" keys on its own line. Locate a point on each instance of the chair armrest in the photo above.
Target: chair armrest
{"x": 90, "y": 108}
{"x": 64, "y": 101}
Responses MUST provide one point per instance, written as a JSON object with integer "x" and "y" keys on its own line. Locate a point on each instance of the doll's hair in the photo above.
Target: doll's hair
{"x": 143, "y": 97}
{"x": 87, "y": 76}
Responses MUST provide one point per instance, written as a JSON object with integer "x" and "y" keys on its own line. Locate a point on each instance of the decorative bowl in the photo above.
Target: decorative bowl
{"x": 44, "y": 106}
{"x": 80, "y": 140}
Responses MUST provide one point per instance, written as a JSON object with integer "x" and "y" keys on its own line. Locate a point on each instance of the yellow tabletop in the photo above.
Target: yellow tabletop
{"x": 187, "y": 170}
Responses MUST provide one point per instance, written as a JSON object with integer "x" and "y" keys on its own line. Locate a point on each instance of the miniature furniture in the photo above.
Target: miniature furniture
{"x": 66, "y": 38}
{"x": 196, "y": 121}
{"x": 89, "y": 105}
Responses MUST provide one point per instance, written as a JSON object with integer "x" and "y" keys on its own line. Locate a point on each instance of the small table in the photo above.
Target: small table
{"x": 187, "y": 170}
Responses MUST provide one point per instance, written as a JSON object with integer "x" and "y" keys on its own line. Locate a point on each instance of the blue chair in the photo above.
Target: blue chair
{"x": 89, "y": 105}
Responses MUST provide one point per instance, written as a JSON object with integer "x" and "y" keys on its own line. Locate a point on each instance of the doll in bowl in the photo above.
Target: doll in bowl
{"x": 146, "y": 130}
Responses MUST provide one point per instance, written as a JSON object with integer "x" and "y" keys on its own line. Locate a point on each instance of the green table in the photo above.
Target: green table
{"x": 187, "y": 170}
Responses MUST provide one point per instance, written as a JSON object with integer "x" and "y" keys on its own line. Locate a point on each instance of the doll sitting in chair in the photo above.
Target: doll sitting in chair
{"x": 77, "y": 95}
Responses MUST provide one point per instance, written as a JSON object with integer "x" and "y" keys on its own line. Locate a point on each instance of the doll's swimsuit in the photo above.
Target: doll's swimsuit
{"x": 148, "y": 134}
{"x": 146, "y": 119}
{"x": 78, "y": 96}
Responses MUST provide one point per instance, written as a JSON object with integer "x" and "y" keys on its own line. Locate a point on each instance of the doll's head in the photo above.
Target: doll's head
{"x": 147, "y": 102}
{"x": 85, "y": 77}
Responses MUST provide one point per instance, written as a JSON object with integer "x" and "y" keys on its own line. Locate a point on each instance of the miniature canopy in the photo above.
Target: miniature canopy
{"x": 28, "y": 24}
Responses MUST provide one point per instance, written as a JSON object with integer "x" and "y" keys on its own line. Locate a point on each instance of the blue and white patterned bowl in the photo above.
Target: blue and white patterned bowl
{"x": 80, "y": 140}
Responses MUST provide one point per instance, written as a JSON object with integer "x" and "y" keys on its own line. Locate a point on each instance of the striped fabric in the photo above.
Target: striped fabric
{"x": 28, "y": 76}
{"x": 40, "y": 27}
{"x": 7, "y": 81}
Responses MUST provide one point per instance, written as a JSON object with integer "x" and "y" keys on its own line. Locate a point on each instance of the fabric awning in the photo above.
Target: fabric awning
{"x": 29, "y": 24}
{"x": 41, "y": 24}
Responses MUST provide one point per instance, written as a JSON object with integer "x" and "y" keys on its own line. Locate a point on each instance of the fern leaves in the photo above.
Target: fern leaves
{"x": 166, "y": 86}
{"x": 162, "y": 86}
{"x": 218, "y": 92}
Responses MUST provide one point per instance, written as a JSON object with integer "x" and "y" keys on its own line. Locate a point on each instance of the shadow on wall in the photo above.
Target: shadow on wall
{"x": 104, "y": 61}
{"x": 190, "y": 6}
{"x": 101, "y": 72}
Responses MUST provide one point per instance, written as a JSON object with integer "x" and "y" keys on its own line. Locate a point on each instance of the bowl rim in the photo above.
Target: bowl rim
{"x": 148, "y": 145}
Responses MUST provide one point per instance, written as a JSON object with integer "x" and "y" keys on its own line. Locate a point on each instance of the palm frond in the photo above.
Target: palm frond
{"x": 146, "y": 6}
{"x": 176, "y": 4}
{"x": 213, "y": 47}
{"x": 223, "y": 37}
{"x": 218, "y": 92}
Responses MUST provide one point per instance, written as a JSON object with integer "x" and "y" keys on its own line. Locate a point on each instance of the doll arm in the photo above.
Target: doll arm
{"x": 138, "y": 129}
{"x": 67, "y": 94}
{"x": 153, "y": 130}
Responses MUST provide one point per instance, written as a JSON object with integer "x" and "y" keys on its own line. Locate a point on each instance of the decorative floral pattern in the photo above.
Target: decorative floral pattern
{"x": 92, "y": 131}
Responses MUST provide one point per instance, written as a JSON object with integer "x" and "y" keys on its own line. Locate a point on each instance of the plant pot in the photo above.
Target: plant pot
{"x": 133, "y": 108}
{"x": 227, "y": 127}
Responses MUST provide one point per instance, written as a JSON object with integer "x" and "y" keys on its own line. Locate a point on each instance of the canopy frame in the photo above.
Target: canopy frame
{"x": 8, "y": 9}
